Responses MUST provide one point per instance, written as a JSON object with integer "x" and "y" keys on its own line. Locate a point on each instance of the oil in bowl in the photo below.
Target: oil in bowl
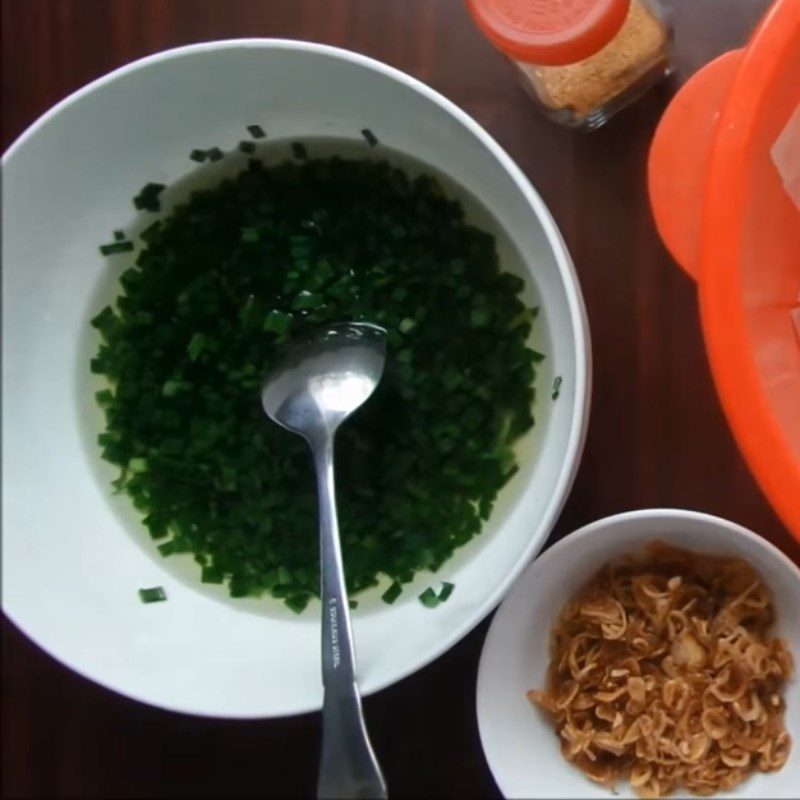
{"x": 230, "y": 261}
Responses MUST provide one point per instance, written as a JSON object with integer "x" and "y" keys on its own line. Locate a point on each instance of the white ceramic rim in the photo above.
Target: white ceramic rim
{"x": 575, "y": 537}
{"x": 577, "y": 309}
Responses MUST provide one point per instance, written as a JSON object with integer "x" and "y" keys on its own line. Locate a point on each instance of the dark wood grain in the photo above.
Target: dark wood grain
{"x": 657, "y": 435}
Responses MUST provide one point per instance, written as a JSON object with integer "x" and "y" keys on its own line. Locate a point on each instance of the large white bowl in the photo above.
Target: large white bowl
{"x": 519, "y": 742}
{"x": 74, "y": 556}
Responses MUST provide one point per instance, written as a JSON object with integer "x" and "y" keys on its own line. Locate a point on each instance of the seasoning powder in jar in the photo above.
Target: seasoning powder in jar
{"x": 582, "y": 60}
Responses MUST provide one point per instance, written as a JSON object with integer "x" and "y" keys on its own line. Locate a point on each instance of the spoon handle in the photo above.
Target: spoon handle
{"x": 348, "y": 767}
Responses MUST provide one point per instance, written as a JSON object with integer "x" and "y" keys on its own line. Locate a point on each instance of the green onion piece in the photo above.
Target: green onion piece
{"x": 392, "y": 593}
{"x": 247, "y": 147}
{"x": 212, "y": 575}
{"x": 371, "y": 138}
{"x": 108, "y": 437}
{"x": 105, "y": 320}
{"x": 198, "y": 155}
{"x": 215, "y": 154}
{"x": 284, "y": 576}
{"x": 353, "y": 604}
{"x": 148, "y": 197}
{"x": 297, "y": 602}
{"x": 116, "y": 247}
{"x": 429, "y": 598}
{"x": 256, "y": 131}
{"x": 269, "y": 579}
{"x": 196, "y": 346}
{"x": 249, "y": 235}
{"x": 524, "y": 318}
{"x": 370, "y": 242}
{"x": 479, "y": 318}
{"x": 173, "y": 546}
{"x": 306, "y": 299}
{"x": 119, "y": 236}
{"x": 277, "y": 322}
{"x": 172, "y": 387}
{"x": 156, "y": 526}
{"x": 238, "y": 587}
{"x": 446, "y": 591}
{"x": 154, "y": 595}
{"x": 394, "y": 339}
{"x": 299, "y": 151}
{"x": 557, "y": 387}
{"x": 166, "y": 549}
{"x": 150, "y": 231}
{"x": 536, "y": 356}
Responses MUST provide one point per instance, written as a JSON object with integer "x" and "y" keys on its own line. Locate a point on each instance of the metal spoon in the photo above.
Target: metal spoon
{"x": 317, "y": 385}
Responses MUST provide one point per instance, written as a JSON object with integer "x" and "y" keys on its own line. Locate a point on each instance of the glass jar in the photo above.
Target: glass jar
{"x": 581, "y": 60}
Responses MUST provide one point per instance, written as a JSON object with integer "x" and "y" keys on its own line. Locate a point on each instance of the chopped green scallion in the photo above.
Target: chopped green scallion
{"x": 154, "y": 595}
{"x": 370, "y": 137}
{"x": 196, "y": 346}
{"x": 148, "y": 197}
{"x": 392, "y": 593}
{"x": 105, "y": 397}
{"x": 281, "y": 249}
{"x": 297, "y": 602}
{"x": 277, "y": 322}
{"x": 429, "y": 598}
{"x": 446, "y": 591}
{"x": 212, "y": 575}
{"x": 116, "y": 247}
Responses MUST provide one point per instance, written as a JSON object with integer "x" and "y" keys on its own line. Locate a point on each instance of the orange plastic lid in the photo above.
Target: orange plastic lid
{"x": 549, "y": 31}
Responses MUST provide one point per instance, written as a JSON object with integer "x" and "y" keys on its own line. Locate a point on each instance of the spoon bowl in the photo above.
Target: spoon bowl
{"x": 324, "y": 378}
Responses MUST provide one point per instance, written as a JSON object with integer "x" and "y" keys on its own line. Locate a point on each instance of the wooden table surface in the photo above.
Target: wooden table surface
{"x": 657, "y": 436}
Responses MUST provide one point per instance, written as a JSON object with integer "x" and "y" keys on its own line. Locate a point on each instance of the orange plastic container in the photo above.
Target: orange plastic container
{"x": 724, "y": 214}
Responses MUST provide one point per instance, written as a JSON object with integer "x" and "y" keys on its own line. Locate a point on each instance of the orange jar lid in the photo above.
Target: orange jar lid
{"x": 551, "y": 32}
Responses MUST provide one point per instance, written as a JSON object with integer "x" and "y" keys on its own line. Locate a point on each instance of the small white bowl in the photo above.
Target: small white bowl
{"x": 519, "y": 742}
